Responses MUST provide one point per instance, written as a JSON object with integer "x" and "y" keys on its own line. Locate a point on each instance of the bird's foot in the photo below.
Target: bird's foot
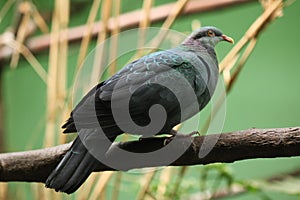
{"x": 177, "y": 134}
{"x": 174, "y": 133}
{"x": 147, "y": 138}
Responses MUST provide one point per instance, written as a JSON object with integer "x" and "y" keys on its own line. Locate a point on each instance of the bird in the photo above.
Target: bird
{"x": 140, "y": 84}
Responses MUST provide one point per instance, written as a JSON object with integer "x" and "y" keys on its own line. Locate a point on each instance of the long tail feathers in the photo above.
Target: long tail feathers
{"x": 73, "y": 169}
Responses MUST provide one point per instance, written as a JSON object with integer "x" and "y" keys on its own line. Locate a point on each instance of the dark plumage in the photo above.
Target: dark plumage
{"x": 143, "y": 80}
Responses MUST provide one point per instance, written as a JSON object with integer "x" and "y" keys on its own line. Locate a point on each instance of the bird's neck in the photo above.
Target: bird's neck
{"x": 198, "y": 48}
{"x": 197, "y": 45}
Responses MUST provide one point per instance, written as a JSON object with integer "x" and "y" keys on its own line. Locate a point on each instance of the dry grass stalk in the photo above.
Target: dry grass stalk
{"x": 167, "y": 23}
{"x": 3, "y": 191}
{"x": 164, "y": 180}
{"x": 182, "y": 171}
{"x": 238, "y": 188}
{"x": 114, "y": 40}
{"x": 241, "y": 62}
{"x": 146, "y": 10}
{"x": 88, "y": 33}
{"x": 52, "y": 79}
{"x": 86, "y": 188}
{"x": 231, "y": 65}
{"x": 83, "y": 49}
{"x": 43, "y": 193}
{"x": 174, "y": 13}
{"x": 231, "y": 59}
{"x": 267, "y": 3}
{"x": 250, "y": 38}
{"x": 117, "y": 185}
{"x": 57, "y": 73}
{"x": 127, "y": 21}
{"x": 150, "y": 196}
{"x": 25, "y": 9}
{"x": 6, "y": 8}
{"x": 226, "y": 72}
{"x": 35, "y": 64}
{"x": 98, "y": 60}
{"x": 64, "y": 13}
{"x": 144, "y": 23}
{"x": 155, "y": 42}
{"x": 38, "y": 19}
{"x": 100, "y": 185}
{"x": 56, "y": 83}
{"x": 63, "y": 50}
{"x": 147, "y": 179}
{"x": 253, "y": 31}
{"x": 96, "y": 72}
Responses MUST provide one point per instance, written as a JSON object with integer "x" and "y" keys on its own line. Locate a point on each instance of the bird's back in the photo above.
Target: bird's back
{"x": 153, "y": 79}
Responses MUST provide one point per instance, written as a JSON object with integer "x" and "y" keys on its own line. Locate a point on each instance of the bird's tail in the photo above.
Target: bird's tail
{"x": 73, "y": 169}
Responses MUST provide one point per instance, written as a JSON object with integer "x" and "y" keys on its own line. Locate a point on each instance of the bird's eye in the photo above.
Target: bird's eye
{"x": 210, "y": 33}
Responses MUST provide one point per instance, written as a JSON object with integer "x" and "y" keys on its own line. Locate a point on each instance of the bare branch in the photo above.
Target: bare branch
{"x": 36, "y": 165}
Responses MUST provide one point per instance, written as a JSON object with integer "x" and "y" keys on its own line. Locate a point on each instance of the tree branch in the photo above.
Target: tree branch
{"x": 36, "y": 165}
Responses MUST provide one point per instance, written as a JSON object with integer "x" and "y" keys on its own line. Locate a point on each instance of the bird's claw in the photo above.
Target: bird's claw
{"x": 168, "y": 140}
{"x": 197, "y": 133}
{"x": 145, "y": 138}
{"x": 174, "y": 134}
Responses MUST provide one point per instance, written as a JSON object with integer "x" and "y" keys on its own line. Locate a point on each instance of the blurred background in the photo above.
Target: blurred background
{"x": 43, "y": 44}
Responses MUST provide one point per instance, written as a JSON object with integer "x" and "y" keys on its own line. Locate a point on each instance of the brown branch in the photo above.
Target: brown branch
{"x": 35, "y": 166}
{"x": 126, "y": 21}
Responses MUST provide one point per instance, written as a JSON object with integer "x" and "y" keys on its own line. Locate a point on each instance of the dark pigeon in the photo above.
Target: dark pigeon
{"x": 155, "y": 79}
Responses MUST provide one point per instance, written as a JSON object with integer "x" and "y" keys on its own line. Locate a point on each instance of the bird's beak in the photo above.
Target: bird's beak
{"x": 228, "y": 39}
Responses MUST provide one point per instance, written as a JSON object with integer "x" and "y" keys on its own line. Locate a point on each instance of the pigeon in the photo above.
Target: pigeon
{"x": 180, "y": 80}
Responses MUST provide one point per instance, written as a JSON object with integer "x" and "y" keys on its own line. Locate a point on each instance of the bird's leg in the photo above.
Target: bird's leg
{"x": 146, "y": 138}
{"x": 175, "y": 133}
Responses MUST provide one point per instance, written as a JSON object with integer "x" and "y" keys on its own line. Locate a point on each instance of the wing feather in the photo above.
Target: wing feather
{"x": 138, "y": 80}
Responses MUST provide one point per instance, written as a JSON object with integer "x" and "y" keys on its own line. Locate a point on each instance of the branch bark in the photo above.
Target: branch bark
{"x": 36, "y": 165}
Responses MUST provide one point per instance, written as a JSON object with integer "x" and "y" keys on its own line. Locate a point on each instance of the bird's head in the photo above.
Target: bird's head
{"x": 207, "y": 36}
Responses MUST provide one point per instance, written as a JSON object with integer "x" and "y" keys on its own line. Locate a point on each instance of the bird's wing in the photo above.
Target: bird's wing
{"x": 142, "y": 71}
{"x": 69, "y": 124}
{"x": 154, "y": 68}
{"x": 147, "y": 82}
